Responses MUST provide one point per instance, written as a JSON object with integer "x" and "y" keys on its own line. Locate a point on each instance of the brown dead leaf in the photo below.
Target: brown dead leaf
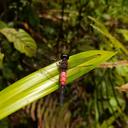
{"x": 123, "y": 88}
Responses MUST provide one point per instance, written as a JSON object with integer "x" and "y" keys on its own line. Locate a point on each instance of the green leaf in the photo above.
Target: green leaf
{"x": 102, "y": 29}
{"x": 124, "y": 32}
{"x": 3, "y": 25}
{"x": 122, "y": 70}
{"x": 108, "y": 123}
{"x": 113, "y": 103}
{"x": 46, "y": 80}
{"x": 1, "y": 60}
{"x": 22, "y": 41}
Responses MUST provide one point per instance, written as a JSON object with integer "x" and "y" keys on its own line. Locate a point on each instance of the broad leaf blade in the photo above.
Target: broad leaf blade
{"x": 11, "y": 100}
{"x": 49, "y": 72}
{"x": 22, "y": 41}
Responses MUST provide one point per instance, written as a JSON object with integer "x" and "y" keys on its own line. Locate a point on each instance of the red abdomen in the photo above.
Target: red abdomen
{"x": 63, "y": 78}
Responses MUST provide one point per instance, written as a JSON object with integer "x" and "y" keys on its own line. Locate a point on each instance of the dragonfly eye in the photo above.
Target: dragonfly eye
{"x": 64, "y": 56}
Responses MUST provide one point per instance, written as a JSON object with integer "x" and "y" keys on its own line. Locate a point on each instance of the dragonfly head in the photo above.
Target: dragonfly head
{"x": 64, "y": 56}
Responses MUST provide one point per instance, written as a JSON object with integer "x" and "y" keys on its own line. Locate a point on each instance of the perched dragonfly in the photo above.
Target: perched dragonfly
{"x": 63, "y": 75}
{"x": 76, "y": 64}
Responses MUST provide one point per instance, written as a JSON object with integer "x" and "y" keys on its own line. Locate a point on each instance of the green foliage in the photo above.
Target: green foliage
{"x": 4, "y": 123}
{"x": 22, "y": 40}
{"x": 124, "y": 32}
{"x": 90, "y": 101}
{"x": 1, "y": 59}
{"x": 101, "y": 28}
{"x": 3, "y": 25}
{"x": 37, "y": 84}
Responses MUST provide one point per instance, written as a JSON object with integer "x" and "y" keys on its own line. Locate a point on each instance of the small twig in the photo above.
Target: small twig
{"x": 55, "y": 15}
{"x": 58, "y": 11}
{"x": 54, "y": 18}
{"x": 114, "y": 64}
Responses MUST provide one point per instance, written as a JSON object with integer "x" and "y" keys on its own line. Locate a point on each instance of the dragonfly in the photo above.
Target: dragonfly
{"x": 63, "y": 75}
{"x": 65, "y": 64}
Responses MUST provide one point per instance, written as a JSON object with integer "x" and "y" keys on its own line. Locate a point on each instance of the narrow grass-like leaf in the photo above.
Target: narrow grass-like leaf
{"x": 41, "y": 83}
{"x": 124, "y": 32}
{"x": 102, "y": 29}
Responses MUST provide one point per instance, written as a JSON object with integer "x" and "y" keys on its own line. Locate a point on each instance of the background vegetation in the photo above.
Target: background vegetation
{"x": 91, "y": 101}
